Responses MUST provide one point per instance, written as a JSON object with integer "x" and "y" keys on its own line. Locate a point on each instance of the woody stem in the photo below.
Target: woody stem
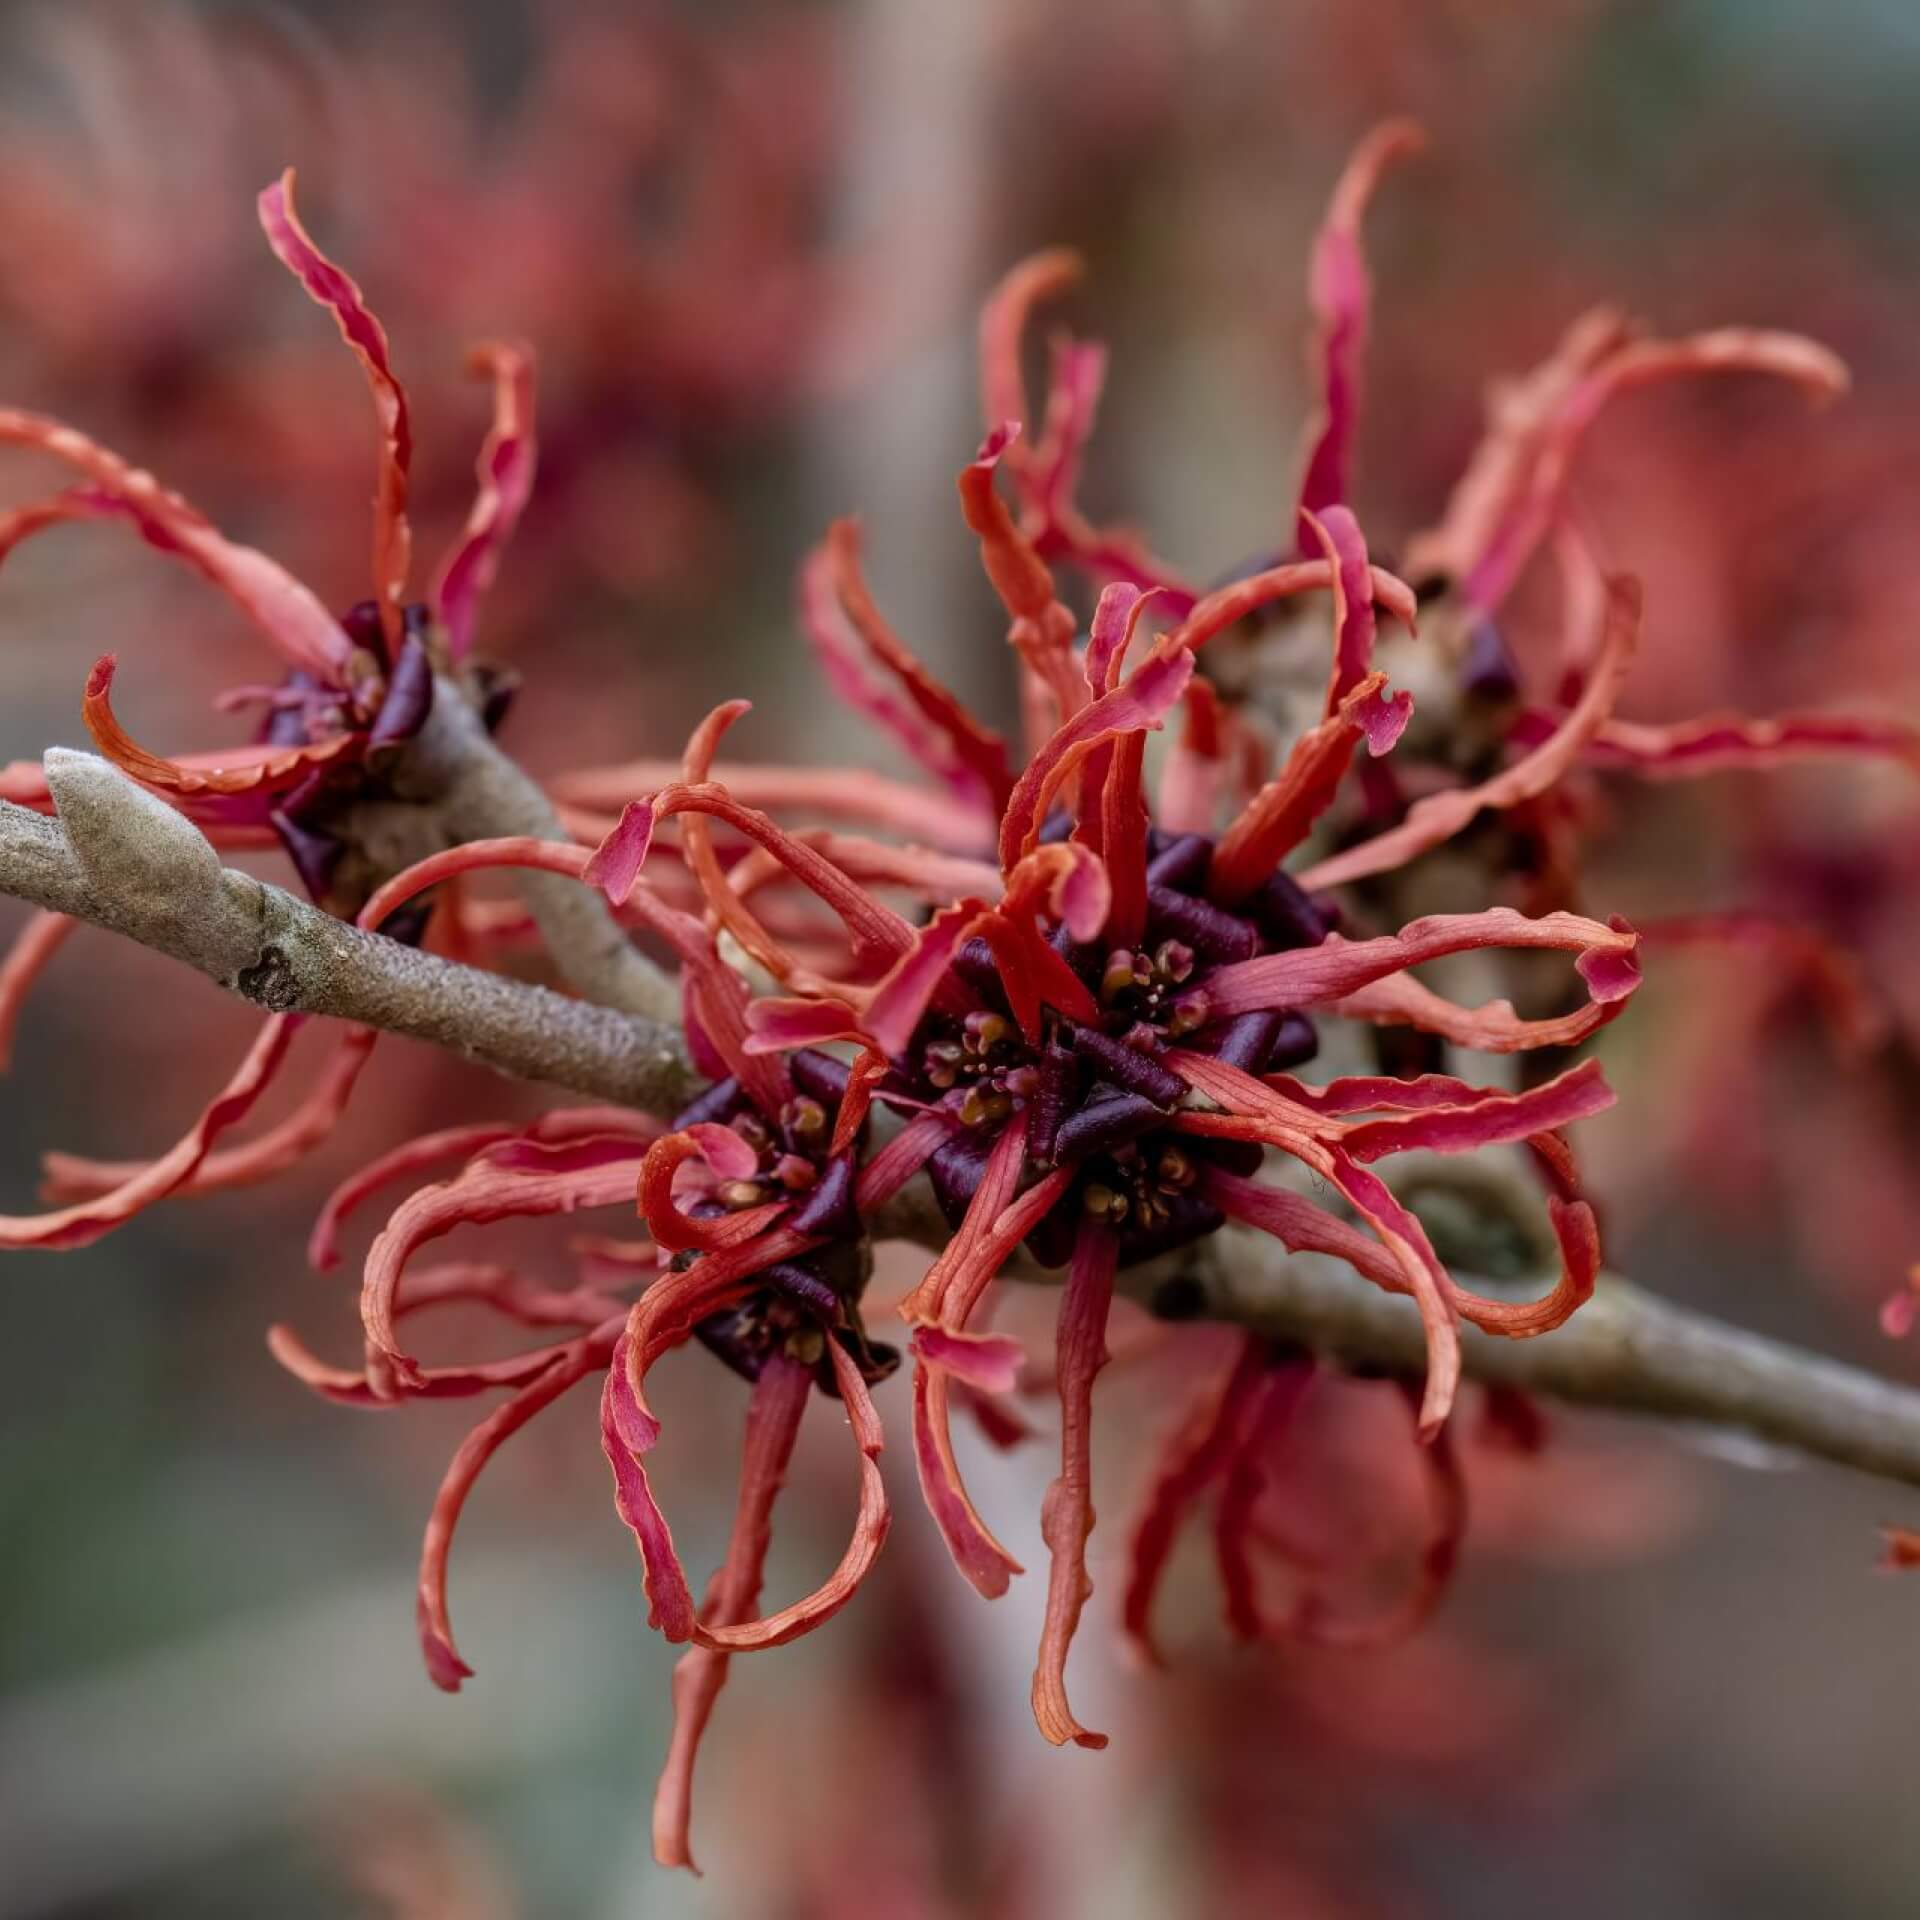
{"x": 121, "y": 859}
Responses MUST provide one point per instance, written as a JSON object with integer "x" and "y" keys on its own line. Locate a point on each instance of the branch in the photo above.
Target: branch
{"x": 452, "y": 785}
{"x": 1625, "y": 1350}
{"x": 120, "y": 858}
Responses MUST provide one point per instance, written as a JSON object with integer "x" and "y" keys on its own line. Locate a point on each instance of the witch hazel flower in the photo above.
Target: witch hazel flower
{"x": 1094, "y": 1046}
{"x": 1512, "y": 502}
{"x": 752, "y": 1199}
{"x": 355, "y": 689}
{"x": 1494, "y": 742}
{"x": 355, "y": 682}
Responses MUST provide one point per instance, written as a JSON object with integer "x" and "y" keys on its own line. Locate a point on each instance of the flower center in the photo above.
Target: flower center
{"x": 801, "y": 1303}
{"x": 1098, "y": 1094}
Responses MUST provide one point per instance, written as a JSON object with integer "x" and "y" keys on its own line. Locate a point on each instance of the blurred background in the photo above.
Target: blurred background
{"x": 748, "y": 243}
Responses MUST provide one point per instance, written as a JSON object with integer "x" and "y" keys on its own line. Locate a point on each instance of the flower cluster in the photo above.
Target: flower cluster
{"x": 1080, "y": 1011}
{"x": 1087, "y": 1044}
{"x": 354, "y": 690}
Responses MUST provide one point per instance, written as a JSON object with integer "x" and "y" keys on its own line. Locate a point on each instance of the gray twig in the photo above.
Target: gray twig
{"x": 1625, "y": 1350}
{"x": 120, "y": 858}
{"x": 453, "y": 784}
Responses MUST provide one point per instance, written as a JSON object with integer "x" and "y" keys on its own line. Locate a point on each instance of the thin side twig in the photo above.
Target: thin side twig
{"x": 453, "y": 784}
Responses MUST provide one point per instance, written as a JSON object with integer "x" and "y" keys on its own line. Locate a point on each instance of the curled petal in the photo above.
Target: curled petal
{"x": 1511, "y": 493}
{"x": 266, "y": 770}
{"x": 481, "y": 1192}
{"x": 289, "y": 615}
{"x": 1019, "y": 576}
{"x": 993, "y": 1226}
{"x": 444, "y": 1663}
{"x": 1067, "y": 1513}
{"x": 730, "y": 1158}
{"x": 987, "y": 1237}
{"x": 1064, "y": 877}
{"x": 839, "y": 614}
{"x": 1491, "y": 1119}
{"x": 988, "y": 1362}
{"x": 969, "y": 1280}
{"x": 870, "y": 1527}
{"x": 715, "y": 996}
{"x": 1111, "y": 634}
{"x": 87, "y": 1220}
{"x": 1045, "y": 471}
{"x": 614, "y": 865}
{"x": 335, "y": 290}
{"x": 1051, "y": 483}
{"x": 1276, "y": 1403}
{"x": 1577, "y": 1235}
{"x": 411, "y": 1157}
{"x": 360, "y": 1389}
{"x": 1310, "y": 1618}
{"x": 32, "y": 952}
{"x": 976, "y": 1550}
{"x": 664, "y": 1317}
{"x": 1426, "y": 1279}
{"x": 932, "y": 875}
{"x": 1721, "y": 742}
{"x": 904, "y": 992}
{"x": 1253, "y": 1111}
{"x": 1381, "y": 1093}
{"x": 1341, "y": 294}
{"x": 1340, "y": 969}
{"x": 869, "y": 1069}
{"x": 1140, "y": 703}
{"x": 1228, "y": 605}
{"x": 831, "y": 792}
{"x": 1003, "y": 325}
{"x": 1303, "y": 1227}
{"x": 1337, "y": 534}
{"x": 1114, "y": 777}
{"x": 307, "y": 1127}
{"x": 1492, "y": 1027}
{"x": 1440, "y": 816}
{"x": 1194, "y": 769}
{"x": 504, "y": 476}
{"x": 1113, "y": 811}
{"x": 1520, "y": 413}
{"x": 778, "y": 1026}
{"x": 773, "y": 1424}
{"x": 1194, "y": 1455}
{"x": 509, "y": 1293}
{"x": 999, "y": 1182}
{"x": 1283, "y": 812}
{"x": 626, "y": 1432}
{"x": 899, "y": 1160}
{"x": 1042, "y": 629}
{"x": 22, "y": 523}
{"x": 878, "y": 934}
